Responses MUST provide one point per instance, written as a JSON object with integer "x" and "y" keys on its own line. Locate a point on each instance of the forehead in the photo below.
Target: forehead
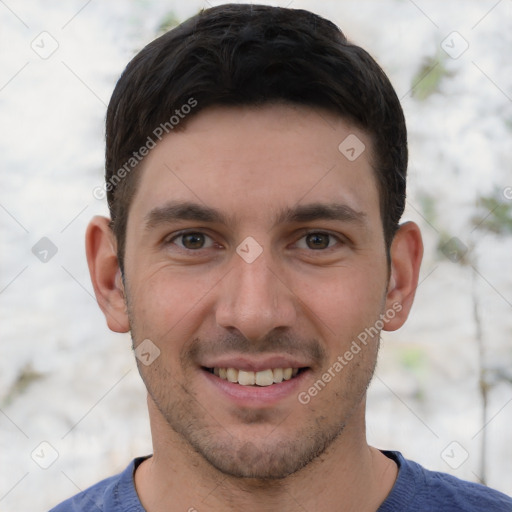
{"x": 242, "y": 160}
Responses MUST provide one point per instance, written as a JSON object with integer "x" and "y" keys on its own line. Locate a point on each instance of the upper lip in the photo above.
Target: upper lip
{"x": 255, "y": 364}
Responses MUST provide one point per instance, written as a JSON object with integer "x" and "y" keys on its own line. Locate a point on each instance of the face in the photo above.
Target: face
{"x": 255, "y": 257}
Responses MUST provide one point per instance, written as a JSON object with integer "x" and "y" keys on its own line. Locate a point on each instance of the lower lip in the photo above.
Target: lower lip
{"x": 256, "y": 396}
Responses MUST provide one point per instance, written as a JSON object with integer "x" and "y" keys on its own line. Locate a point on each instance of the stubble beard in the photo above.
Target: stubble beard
{"x": 269, "y": 458}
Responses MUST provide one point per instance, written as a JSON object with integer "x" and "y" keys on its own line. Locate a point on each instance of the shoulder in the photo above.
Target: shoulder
{"x": 114, "y": 494}
{"x": 418, "y": 489}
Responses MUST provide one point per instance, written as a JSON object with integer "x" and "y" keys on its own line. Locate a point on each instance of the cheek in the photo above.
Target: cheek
{"x": 167, "y": 303}
{"x": 345, "y": 300}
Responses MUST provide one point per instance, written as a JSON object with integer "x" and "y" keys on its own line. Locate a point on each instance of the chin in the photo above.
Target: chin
{"x": 265, "y": 459}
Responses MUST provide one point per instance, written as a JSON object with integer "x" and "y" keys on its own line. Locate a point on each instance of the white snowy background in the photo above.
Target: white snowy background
{"x": 66, "y": 381}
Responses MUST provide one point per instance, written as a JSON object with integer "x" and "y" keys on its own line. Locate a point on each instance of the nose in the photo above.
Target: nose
{"x": 254, "y": 300}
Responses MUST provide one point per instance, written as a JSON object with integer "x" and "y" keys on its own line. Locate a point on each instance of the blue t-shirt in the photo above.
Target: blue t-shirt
{"x": 416, "y": 490}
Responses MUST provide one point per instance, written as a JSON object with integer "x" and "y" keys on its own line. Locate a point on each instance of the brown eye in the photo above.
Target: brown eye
{"x": 318, "y": 240}
{"x": 193, "y": 241}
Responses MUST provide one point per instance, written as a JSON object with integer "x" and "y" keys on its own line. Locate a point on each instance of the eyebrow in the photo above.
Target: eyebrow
{"x": 321, "y": 211}
{"x": 175, "y": 211}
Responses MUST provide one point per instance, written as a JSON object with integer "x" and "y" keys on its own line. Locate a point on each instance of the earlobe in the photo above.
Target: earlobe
{"x": 105, "y": 273}
{"x": 406, "y": 256}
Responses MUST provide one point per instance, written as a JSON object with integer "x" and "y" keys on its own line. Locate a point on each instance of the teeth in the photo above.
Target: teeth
{"x": 232, "y": 374}
{"x": 278, "y": 375}
{"x": 246, "y": 378}
{"x": 262, "y": 378}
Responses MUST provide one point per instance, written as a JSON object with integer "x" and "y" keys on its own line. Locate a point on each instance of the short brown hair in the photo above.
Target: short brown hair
{"x": 238, "y": 55}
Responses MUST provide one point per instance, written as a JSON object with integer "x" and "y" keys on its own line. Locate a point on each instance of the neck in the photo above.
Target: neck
{"x": 348, "y": 476}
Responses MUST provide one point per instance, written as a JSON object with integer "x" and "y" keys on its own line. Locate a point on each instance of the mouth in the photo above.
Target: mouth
{"x": 262, "y": 378}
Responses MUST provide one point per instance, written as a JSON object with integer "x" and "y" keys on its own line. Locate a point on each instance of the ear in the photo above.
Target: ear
{"x": 105, "y": 273}
{"x": 406, "y": 256}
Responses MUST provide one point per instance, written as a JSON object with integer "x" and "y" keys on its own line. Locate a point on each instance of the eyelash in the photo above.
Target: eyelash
{"x": 339, "y": 240}
{"x": 332, "y": 237}
{"x": 171, "y": 240}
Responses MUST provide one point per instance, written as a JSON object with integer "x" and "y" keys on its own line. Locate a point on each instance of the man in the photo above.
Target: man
{"x": 255, "y": 170}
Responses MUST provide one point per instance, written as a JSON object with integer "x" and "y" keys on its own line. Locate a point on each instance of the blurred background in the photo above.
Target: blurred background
{"x": 72, "y": 406}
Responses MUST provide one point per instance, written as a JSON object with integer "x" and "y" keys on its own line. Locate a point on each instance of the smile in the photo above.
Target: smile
{"x": 255, "y": 378}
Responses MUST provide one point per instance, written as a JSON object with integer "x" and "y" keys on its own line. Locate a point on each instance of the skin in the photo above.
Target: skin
{"x": 305, "y": 297}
